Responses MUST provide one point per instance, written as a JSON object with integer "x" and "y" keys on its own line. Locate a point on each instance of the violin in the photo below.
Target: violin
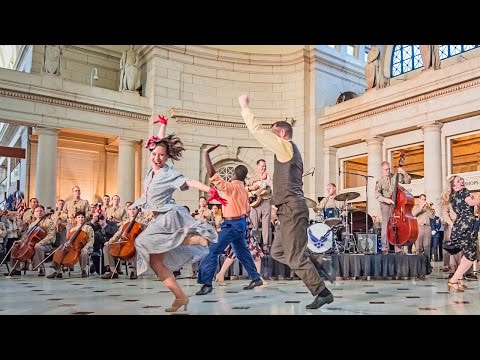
{"x": 402, "y": 225}
{"x": 124, "y": 247}
{"x": 69, "y": 253}
{"x": 24, "y": 249}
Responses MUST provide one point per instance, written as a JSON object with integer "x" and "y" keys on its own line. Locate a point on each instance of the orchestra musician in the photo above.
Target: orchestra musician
{"x": 329, "y": 200}
{"x": 260, "y": 212}
{"x": 88, "y": 248}
{"x": 112, "y": 273}
{"x": 46, "y": 224}
{"x": 383, "y": 192}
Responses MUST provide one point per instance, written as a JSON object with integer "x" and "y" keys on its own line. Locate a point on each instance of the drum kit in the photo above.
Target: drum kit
{"x": 333, "y": 231}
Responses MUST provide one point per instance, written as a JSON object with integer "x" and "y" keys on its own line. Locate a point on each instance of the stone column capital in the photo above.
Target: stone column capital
{"x": 329, "y": 150}
{"x": 432, "y": 127}
{"x": 44, "y": 130}
{"x": 127, "y": 142}
{"x": 374, "y": 140}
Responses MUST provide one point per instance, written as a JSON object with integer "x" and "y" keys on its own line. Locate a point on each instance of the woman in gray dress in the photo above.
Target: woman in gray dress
{"x": 173, "y": 237}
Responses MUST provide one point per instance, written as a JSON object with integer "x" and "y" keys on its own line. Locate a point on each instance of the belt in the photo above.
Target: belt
{"x": 234, "y": 218}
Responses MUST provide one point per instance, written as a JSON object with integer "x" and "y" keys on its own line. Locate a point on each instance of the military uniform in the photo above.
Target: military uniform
{"x": 86, "y": 250}
{"x": 71, "y": 207}
{"x": 116, "y": 214}
{"x": 262, "y": 212}
{"x": 383, "y": 191}
{"x": 424, "y": 238}
{"x": 45, "y": 245}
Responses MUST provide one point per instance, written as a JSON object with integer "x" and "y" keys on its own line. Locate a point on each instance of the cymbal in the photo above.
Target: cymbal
{"x": 347, "y": 196}
{"x": 310, "y": 203}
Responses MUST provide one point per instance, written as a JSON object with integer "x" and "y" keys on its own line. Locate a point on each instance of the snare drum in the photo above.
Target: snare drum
{"x": 332, "y": 216}
{"x": 319, "y": 237}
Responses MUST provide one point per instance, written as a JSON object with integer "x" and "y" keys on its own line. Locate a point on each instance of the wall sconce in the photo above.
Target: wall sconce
{"x": 93, "y": 75}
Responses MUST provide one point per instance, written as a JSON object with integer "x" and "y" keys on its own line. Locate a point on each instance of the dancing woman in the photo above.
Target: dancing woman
{"x": 173, "y": 236}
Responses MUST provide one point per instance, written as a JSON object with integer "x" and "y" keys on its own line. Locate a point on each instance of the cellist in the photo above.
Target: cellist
{"x": 42, "y": 246}
{"x": 143, "y": 221}
{"x": 383, "y": 192}
{"x": 87, "y": 249}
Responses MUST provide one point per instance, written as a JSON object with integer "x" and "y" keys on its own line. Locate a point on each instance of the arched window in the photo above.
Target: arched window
{"x": 226, "y": 172}
{"x": 406, "y": 58}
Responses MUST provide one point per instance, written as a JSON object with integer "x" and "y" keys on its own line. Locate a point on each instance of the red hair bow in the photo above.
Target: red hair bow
{"x": 214, "y": 195}
{"x": 161, "y": 119}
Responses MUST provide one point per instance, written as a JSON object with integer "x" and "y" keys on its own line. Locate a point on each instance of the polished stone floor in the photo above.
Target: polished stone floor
{"x": 29, "y": 294}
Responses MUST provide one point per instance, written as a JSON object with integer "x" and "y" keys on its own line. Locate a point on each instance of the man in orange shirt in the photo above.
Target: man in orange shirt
{"x": 234, "y": 227}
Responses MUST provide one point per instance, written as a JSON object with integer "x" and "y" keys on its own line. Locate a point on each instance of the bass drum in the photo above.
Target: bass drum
{"x": 320, "y": 238}
{"x": 357, "y": 218}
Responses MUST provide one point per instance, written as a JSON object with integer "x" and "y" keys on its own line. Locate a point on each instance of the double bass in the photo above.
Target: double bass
{"x": 69, "y": 253}
{"x": 24, "y": 249}
{"x": 124, "y": 247}
{"x": 402, "y": 225}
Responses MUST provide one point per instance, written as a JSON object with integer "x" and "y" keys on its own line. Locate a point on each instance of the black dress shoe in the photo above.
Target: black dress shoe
{"x": 253, "y": 284}
{"x": 206, "y": 289}
{"x": 320, "y": 301}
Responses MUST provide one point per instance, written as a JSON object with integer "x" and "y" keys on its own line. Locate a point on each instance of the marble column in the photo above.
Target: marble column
{"x": 330, "y": 168}
{"x": 432, "y": 163}
{"x": 126, "y": 170}
{"x": 375, "y": 147}
{"x": 46, "y": 175}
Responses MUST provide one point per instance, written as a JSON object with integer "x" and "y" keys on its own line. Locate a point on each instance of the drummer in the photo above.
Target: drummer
{"x": 329, "y": 200}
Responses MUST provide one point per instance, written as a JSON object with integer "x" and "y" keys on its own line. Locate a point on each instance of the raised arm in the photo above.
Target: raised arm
{"x": 198, "y": 185}
{"x": 162, "y": 120}
{"x": 208, "y": 162}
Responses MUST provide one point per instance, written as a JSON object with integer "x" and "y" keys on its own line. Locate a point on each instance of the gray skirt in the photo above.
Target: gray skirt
{"x": 165, "y": 234}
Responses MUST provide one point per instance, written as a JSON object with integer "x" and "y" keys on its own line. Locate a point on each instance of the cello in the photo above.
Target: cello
{"x": 124, "y": 247}
{"x": 25, "y": 247}
{"x": 402, "y": 225}
{"x": 69, "y": 253}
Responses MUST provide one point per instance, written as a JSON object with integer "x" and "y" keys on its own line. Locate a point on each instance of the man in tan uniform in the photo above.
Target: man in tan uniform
{"x": 423, "y": 212}
{"x": 203, "y": 213}
{"x": 59, "y": 219}
{"x": 28, "y": 215}
{"x": 383, "y": 192}
{"x": 73, "y": 206}
{"x": 44, "y": 245}
{"x": 116, "y": 213}
{"x": 47, "y": 242}
{"x": 329, "y": 201}
{"x": 263, "y": 211}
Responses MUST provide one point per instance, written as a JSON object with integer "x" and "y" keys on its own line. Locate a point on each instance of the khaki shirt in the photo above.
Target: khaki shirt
{"x": 256, "y": 180}
{"x": 423, "y": 214}
{"x": 72, "y": 206}
{"x": 203, "y": 214}
{"x": 330, "y": 202}
{"x": 143, "y": 221}
{"x": 88, "y": 229}
{"x": 28, "y": 216}
{"x": 115, "y": 214}
{"x": 385, "y": 184}
{"x": 59, "y": 220}
{"x": 216, "y": 222}
{"x": 49, "y": 228}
